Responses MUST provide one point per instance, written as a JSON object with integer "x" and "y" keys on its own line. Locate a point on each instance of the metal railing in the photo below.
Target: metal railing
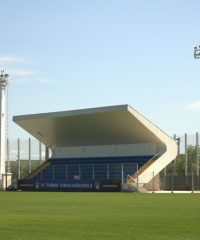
{"x": 145, "y": 166}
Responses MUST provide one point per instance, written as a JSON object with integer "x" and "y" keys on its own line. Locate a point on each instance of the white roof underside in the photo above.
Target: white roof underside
{"x": 96, "y": 126}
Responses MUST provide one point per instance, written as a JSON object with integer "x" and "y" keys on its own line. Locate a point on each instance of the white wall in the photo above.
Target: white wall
{"x": 106, "y": 150}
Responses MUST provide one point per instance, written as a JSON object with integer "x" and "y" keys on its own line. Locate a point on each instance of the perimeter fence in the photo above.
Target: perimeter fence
{"x": 183, "y": 172}
{"x": 24, "y": 155}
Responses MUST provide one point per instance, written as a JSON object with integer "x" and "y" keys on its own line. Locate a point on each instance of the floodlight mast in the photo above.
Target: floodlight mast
{"x": 3, "y": 122}
{"x": 196, "y": 52}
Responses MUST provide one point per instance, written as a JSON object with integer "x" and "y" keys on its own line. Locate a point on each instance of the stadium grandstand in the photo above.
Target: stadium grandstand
{"x": 99, "y": 149}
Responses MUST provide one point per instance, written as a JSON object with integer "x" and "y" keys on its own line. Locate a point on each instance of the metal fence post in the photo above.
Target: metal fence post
{"x": 192, "y": 182}
{"x": 29, "y": 155}
{"x": 197, "y": 160}
{"x": 186, "y": 156}
{"x": 93, "y": 172}
{"x": 79, "y": 171}
{"x": 18, "y": 158}
{"x": 172, "y": 181}
{"x": 41, "y": 175}
{"x": 53, "y": 172}
{"x": 40, "y": 152}
{"x": 164, "y": 182}
{"x": 137, "y": 179}
{"x": 186, "y": 160}
{"x": 122, "y": 170}
{"x": 66, "y": 172}
{"x": 174, "y": 168}
{"x": 46, "y": 153}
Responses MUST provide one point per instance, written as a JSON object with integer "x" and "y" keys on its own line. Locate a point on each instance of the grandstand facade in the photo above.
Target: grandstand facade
{"x": 98, "y": 149}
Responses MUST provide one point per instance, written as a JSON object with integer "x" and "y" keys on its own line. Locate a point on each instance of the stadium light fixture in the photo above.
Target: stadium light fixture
{"x": 196, "y": 52}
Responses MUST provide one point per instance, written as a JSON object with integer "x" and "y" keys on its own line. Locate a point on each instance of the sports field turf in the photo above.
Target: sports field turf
{"x": 91, "y": 216}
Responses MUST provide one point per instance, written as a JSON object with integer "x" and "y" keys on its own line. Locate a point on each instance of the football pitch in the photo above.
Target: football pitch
{"x": 98, "y": 216}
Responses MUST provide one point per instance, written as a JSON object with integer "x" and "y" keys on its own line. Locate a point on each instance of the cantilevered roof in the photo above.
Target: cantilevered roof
{"x": 94, "y": 126}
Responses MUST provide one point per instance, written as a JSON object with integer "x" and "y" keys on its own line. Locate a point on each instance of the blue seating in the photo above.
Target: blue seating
{"x": 90, "y": 169}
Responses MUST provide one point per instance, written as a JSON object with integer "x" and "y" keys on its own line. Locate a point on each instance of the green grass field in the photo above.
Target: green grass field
{"x": 89, "y": 216}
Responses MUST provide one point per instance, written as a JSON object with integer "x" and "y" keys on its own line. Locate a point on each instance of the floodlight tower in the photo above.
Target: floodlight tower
{"x": 3, "y": 121}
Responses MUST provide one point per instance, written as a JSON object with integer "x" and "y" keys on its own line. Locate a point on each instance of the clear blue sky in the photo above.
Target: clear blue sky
{"x": 64, "y": 54}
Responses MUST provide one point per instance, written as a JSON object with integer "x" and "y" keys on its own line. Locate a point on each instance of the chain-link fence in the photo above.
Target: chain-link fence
{"x": 183, "y": 172}
{"x": 24, "y": 155}
{"x": 173, "y": 183}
